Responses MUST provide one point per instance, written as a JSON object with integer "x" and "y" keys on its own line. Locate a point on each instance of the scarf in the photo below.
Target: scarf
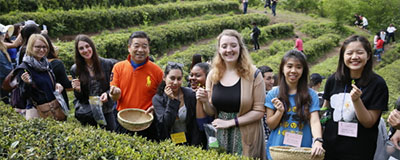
{"x": 42, "y": 65}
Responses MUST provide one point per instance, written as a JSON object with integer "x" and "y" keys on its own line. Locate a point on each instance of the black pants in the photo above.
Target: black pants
{"x": 391, "y": 35}
{"x": 256, "y": 44}
{"x": 150, "y": 133}
{"x": 110, "y": 119}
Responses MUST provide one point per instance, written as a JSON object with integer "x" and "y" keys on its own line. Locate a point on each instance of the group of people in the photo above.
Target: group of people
{"x": 361, "y": 21}
{"x": 231, "y": 94}
{"x": 381, "y": 38}
{"x": 271, "y": 4}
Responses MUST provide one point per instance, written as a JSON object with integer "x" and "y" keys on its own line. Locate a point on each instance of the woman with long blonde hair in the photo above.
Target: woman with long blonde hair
{"x": 235, "y": 94}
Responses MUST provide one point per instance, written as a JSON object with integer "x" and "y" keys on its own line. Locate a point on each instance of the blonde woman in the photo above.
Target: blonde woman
{"x": 36, "y": 80}
{"x": 235, "y": 94}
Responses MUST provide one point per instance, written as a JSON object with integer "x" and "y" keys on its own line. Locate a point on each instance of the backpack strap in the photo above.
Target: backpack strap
{"x": 256, "y": 73}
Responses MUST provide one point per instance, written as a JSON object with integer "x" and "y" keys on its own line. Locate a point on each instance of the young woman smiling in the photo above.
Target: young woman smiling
{"x": 235, "y": 94}
{"x": 292, "y": 108}
{"x": 356, "y": 97}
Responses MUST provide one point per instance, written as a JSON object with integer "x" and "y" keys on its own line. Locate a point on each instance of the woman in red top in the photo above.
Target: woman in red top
{"x": 379, "y": 48}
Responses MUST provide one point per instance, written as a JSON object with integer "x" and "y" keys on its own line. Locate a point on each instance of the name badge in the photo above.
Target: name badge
{"x": 348, "y": 129}
{"x": 178, "y": 137}
{"x": 292, "y": 139}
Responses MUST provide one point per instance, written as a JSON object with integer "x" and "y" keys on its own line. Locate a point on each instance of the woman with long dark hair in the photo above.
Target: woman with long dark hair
{"x": 356, "y": 97}
{"x": 292, "y": 108}
{"x": 91, "y": 75}
{"x": 175, "y": 107}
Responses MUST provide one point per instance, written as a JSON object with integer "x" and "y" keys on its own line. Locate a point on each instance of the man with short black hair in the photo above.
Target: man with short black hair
{"x": 315, "y": 84}
{"x": 134, "y": 81}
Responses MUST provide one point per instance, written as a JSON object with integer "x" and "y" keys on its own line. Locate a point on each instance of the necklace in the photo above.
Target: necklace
{"x": 90, "y": 67}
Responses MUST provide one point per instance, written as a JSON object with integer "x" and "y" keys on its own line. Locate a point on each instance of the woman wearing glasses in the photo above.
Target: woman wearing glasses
{"x": 175, "y": 108}
{"x": 235, "y": 93}
{"x": 36, "y": 80}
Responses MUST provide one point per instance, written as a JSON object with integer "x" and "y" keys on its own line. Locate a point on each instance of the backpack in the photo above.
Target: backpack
{"x": 16, "y": 99}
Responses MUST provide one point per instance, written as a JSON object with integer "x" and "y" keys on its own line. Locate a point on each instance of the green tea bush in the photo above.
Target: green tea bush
{"x": 97, "y": 19}
{"x": 391, "y": 74}
{"x": 34, "y": 5}
{"x": 327, "y": 67}
{"x": 163, "y": 37}
{"x": 313, "y": 49}
{"x": 50, "y": 139}
{"x": 208, "y": 50}
{"x": 315, "y": 29}
{"x": 316, "y": 48}
{"x": 274, "y": 54}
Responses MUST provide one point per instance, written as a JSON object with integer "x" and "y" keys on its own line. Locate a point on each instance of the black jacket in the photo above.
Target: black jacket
{"x": 166, "y": 111}
{"x": 83, "y": 96}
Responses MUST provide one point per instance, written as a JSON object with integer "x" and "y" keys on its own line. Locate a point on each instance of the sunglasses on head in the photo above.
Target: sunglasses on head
{"x": 175, "y": 64}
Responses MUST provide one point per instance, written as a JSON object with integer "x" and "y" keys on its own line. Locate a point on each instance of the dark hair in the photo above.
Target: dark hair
{"x": 170, "y": 66}
{"x": 26, "y": 32}
{"x": 138, "y": 34}
{"x": 17, "y": 26}
{"x": 52, "y": 52}
{"x": 254, "y": 23}
{"x": 343, "y": 72}
{"x": 204, "y": 66}
{"x": 302, "y": 98}
{"x": 265, "y": 69}
{"x": 81, "y": 66}
{"x": 314, "y": 82}
{"x": 196, "y": 58}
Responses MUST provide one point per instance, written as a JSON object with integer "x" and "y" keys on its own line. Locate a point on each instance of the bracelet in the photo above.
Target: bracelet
{"x": 236, "y": 122}
{"x": 319, "y": 140}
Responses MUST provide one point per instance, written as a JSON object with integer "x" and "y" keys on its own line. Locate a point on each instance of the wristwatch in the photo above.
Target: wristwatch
{"x": 319, "y": 140}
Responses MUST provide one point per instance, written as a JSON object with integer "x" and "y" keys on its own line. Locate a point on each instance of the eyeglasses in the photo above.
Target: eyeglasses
{"x": 175, "y": 64}
{"x": 40, "y": 47}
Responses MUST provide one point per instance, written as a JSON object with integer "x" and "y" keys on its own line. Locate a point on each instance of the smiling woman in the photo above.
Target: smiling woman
{"x": 175, "y": 108}
{"x": 364, "y": 102}
{"x": 235, "y": 94}
{"x": 37, "y": 80}
{"x": 91, "y": 75}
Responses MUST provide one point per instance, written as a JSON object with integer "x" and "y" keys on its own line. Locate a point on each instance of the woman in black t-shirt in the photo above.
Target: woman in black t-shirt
{"x": 356, "y": 97}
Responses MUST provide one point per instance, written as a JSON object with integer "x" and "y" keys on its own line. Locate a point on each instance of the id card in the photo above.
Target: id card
{"x": 348, "y": 129}
{"x": 292, "y": 139}
{"x": 178, "y": 137}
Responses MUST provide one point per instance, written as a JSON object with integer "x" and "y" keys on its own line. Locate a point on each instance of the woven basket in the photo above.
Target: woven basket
{"x": 134, "y": 119}
{"x": 292, "y": 153}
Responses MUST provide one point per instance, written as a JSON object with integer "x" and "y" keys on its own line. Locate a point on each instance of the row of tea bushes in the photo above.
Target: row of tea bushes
{"x": 34, "y": 5}
{"x": 316, "y": 29}
{"x": 50, "y": 139}
{"x": 163, "y": 37}
{"x": 268, "y": 33}
{"x": 94, "y": 20}
{"x": 313, "y": 49}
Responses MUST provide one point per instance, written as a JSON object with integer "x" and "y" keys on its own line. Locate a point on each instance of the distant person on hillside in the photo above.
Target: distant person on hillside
{"x": 134, "y": 81}
{"x": 315, "y": 84}
{"x": 376, "y": 39}
{"x": 364, "y": 23}
{"x": 382, "y": 34}
{"x": 299, "y": 44}
{"x": 254, "y": 36}
{"x": 391, "y": 29}
{"x": 267, "y": 4}
{"x": 358, "y": 20}
{"x": 245, "y": 3}
{"x": 379, "y": 48}
{"x": 273, "y": 7}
